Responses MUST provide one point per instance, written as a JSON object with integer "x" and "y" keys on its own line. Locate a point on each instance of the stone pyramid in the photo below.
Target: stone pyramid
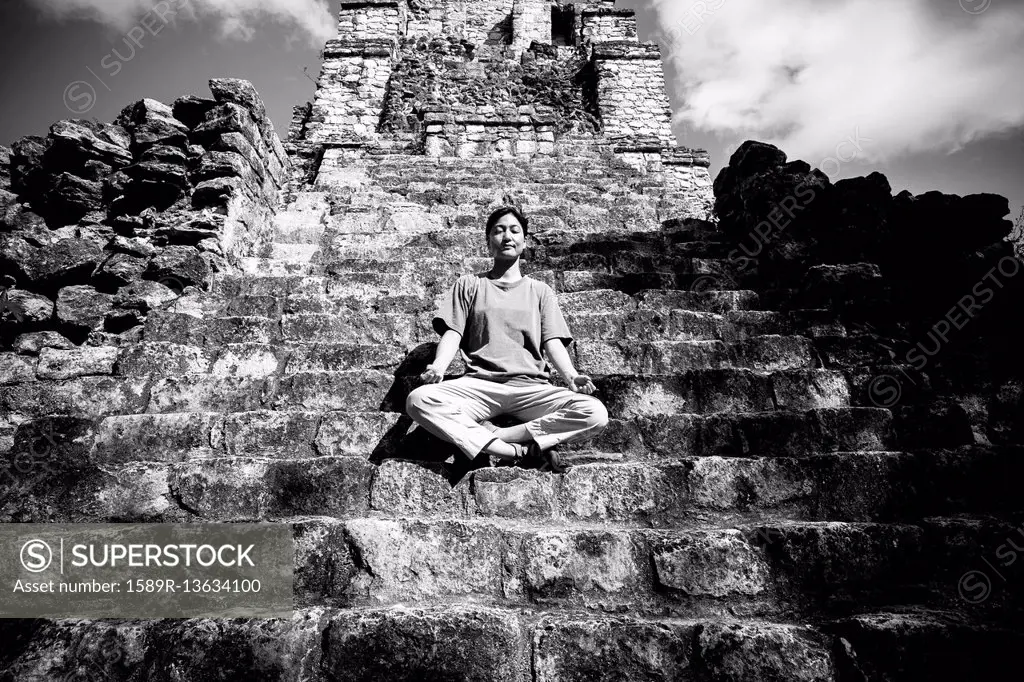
{"x": 226, "y": 327}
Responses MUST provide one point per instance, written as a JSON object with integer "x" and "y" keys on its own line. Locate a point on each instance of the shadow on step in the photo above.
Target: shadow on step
{"x": 411, "y": 443}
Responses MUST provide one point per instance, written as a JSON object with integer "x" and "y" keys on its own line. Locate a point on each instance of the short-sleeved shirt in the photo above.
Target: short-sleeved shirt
{"x": 504, "y": 326}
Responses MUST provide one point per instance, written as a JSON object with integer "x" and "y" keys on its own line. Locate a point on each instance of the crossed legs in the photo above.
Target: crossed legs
{"x": 453, "y": 410}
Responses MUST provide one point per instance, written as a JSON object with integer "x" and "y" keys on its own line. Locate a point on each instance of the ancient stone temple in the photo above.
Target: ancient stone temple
{"x": 204, "y": 322}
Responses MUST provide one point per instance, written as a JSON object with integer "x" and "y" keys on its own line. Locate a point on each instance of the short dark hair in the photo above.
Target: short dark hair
{"x": 501, "y": 213}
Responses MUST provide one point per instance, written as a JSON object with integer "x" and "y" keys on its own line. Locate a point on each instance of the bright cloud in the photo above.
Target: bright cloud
{"x": 235, "y": 18}
{"x": 807, "y": 75}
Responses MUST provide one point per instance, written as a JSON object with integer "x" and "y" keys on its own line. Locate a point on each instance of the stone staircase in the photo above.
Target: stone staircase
{"x": 747, "y": 515}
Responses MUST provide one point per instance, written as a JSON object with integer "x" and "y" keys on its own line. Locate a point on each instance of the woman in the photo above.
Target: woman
{"x": 502, "y": 321}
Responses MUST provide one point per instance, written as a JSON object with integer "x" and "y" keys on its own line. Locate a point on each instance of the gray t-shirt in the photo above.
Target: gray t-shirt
{"x": 504, "y": 326}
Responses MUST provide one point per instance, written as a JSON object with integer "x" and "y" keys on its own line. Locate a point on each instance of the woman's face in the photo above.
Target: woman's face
{"x": 506, "y": 240}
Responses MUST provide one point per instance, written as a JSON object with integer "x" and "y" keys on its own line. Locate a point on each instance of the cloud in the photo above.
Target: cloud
{"x": 806, "y": 75}
{"x": 234, "y": 18}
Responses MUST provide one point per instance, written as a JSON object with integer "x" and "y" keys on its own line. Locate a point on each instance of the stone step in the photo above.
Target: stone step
{"x": 754, "y": 434}
{"x": 355, "y": 319}
{"x": 263, "y": 464}
{"x": 274, "y": 267}
{"x": 643, "y": 341}
{"x": 351, "y": 290}
{"x": 295, "y": 252}
{"x": 494, "y": 644}
{"x": 842, "y": 486}
{"x": 92, "y": 397}
{"x": 643, "y": 285}
{"x": 639, "y": 429}
{"x": 869, "y": 486}
{"x": 693, "y": 390}
{"x": 769, "y": 567}
{"x": 368, "y": 285}
{"x": 635, "y": 407}
{"x": 719, "y": 307}
{"x": 766, "y": 353}
{"x": 773, "y": 566}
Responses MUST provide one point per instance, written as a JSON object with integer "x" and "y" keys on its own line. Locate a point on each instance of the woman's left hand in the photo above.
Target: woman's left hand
{"x": 581, "y": 383}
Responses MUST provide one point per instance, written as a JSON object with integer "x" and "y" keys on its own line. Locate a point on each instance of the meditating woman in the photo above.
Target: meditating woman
{"x": 502, "y": 321}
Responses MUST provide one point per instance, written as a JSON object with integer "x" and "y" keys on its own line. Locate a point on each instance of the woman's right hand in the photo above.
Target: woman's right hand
{"x": 432, "y": 375}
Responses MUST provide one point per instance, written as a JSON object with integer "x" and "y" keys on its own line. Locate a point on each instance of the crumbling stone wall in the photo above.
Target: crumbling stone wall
{"x": 631, "y": 92}
{"x": 531, "y": 22}
{"x": 442, "y": 72}
{"x": 608, "y": 25}
{"x": 482, "y": 23}
{"x": 102, "y": 222}
{"x": 371, "y": 19}
{"x": 464, "y": 79}
{"x": 489, "y": 131}
{"x": 350, "y": 91}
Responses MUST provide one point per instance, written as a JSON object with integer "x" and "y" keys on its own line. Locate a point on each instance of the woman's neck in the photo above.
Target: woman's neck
{"x": 506, "y": 270}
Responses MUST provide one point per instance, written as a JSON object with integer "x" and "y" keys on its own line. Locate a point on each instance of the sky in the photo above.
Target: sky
{"x": 927, "y": 92}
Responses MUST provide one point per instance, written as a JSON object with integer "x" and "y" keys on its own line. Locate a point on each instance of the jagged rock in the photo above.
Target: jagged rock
{"x": 152, "y": 123}
{"x": 181, "y": 264}
{"x": 57, "y": 365}
{"x": 15, "y": 369}
{"x": 162, "y": 164}
{"x": 191, "y": 110}
{"x": 733, "y": 652}
{"x": 52, "y": 265}
{"x": 7, "y": 199}
{"x": 226, "y": 164}
{"x": 216, "y": 193}
{"x": 75, "y": 143}
{"x": 71, "y": 197}
{"x": 26, "y": 306}
{"x": 135, "y": 246}
{"x": 83, "y": 306}
{"x": 148, "y": 194}
{"x": 164, "y": 170}
{"x": 31, "y": 343}
{"x": 228, "y": 118}
{"x": 237, "y": 143}
{"x": 27, "y": 174}
{"x": 5, "y": 168}
{"x": 240, "y": 92}
{"x": 189, "y": 227}
{"x": 119, "y": 269}
{"x": 26, "y": 223}
{"x": 144, "y": 295}
{"x": 131, "y": 336}
{"x": 835, "y": 286}
{"x": 771, "y": 208}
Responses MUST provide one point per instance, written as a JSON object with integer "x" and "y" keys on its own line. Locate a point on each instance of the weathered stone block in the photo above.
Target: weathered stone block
{"x": 763, "y": 651}
{"x": 568, "y": 565}
{"x": 410, "y": 645}
{"x": 708, "y": 564}
{"x": 587, "y": 649}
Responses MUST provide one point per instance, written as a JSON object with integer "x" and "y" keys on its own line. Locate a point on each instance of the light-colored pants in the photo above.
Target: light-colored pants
{"x": 452, "y": 411}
